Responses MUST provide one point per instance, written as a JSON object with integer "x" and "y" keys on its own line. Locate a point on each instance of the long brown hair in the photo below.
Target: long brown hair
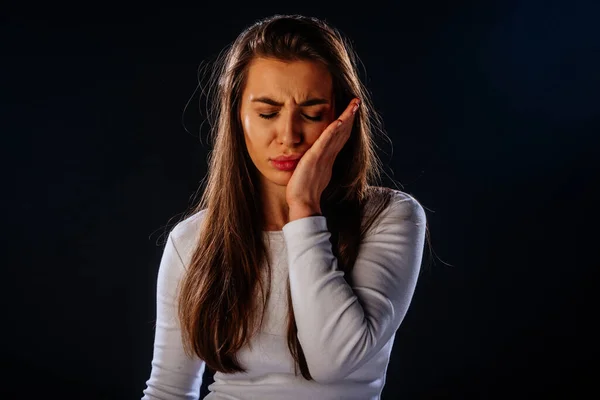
{"x": 218, "y": 309}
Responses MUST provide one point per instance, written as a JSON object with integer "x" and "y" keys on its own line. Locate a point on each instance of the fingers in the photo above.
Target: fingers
{"x": 349, "y": 112}
{"x": 329, "y": 135}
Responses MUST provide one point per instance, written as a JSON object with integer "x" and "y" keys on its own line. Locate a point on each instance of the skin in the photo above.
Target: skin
{"x": 294, "y": 127}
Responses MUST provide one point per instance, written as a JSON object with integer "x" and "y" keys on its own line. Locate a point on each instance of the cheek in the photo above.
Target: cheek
{"x": 247, "y": 125}
{"x": 251, "y": 130}
{"x": 255, "y": 137}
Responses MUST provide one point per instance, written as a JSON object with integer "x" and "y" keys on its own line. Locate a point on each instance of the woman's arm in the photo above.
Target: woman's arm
{"x": 174, "y": 376}
{"x": 339, "y": 327}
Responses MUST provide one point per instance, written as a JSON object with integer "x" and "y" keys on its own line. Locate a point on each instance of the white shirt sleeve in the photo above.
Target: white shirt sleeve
{"x": 340, "y": 328}
{"x": 174, "y": 376}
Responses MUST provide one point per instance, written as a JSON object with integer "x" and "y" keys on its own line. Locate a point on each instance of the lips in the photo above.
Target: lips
{"x": 292, "y": 157}
{"x": 285, "y": 165}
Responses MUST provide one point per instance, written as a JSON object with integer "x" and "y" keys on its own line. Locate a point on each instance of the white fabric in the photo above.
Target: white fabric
{"x": 346, "y": 333}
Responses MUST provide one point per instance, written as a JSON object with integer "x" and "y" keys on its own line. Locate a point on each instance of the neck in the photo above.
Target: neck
{"x": 275, "y": 207}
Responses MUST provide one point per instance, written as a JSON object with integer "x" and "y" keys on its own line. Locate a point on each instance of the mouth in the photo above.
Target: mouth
{"x": 292, "y": 157}
{"x": 285, "y": 165}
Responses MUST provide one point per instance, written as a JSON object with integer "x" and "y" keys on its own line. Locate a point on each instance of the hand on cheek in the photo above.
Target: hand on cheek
{"x": 314, "y": 170}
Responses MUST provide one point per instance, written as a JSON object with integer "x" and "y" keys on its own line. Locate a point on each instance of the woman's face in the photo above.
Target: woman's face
{"x": 285, "y": 106}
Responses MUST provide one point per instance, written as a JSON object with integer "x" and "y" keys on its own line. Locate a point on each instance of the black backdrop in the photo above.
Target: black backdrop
{"x": 493, "y": 109}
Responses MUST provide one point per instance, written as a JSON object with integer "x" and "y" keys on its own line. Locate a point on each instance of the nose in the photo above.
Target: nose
{"x": 290, "y": 131}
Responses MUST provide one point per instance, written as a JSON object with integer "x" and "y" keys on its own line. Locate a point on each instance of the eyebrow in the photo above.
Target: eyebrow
{"x": 307, "y": 103}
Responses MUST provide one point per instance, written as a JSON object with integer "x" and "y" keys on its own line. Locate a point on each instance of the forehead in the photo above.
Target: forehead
{"x": 299, "y": 79}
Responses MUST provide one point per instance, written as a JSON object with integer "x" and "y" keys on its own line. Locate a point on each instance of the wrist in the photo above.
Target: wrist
{"x": 297, "y": 212}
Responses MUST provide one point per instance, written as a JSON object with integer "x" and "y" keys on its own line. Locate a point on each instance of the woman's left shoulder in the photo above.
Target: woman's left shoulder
{"x": 401, "y": 205}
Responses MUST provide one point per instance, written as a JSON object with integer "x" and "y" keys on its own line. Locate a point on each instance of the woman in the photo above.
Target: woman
{"x": 292, "y": 275}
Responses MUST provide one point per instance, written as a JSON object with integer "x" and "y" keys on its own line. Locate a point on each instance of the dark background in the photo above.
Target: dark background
{"x": 493, "y": 109}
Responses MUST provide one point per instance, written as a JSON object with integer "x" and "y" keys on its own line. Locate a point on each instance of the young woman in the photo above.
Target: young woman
{"x": 292, "y": 275}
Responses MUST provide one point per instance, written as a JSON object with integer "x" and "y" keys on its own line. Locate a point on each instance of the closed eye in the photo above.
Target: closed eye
{"x": 311, "y": 118}
{"x": 315, "y": 118}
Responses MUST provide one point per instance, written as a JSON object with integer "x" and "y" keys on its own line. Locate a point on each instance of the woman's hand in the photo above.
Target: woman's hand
{"x": 313, "y": 172}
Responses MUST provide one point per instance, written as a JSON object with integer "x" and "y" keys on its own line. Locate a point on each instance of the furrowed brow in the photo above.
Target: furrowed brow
{"x": 307, "y": 103}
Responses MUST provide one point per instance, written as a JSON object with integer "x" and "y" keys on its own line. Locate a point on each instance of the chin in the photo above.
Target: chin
{"x": 279, "y": 178}
{"x": 282, "y": 180}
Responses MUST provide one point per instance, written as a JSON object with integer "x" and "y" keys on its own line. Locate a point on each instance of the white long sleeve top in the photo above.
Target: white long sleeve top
{"x": 346, "y": 333}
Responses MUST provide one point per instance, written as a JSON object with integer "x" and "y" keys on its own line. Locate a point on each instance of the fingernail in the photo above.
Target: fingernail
{"x": 355, "y": 108}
